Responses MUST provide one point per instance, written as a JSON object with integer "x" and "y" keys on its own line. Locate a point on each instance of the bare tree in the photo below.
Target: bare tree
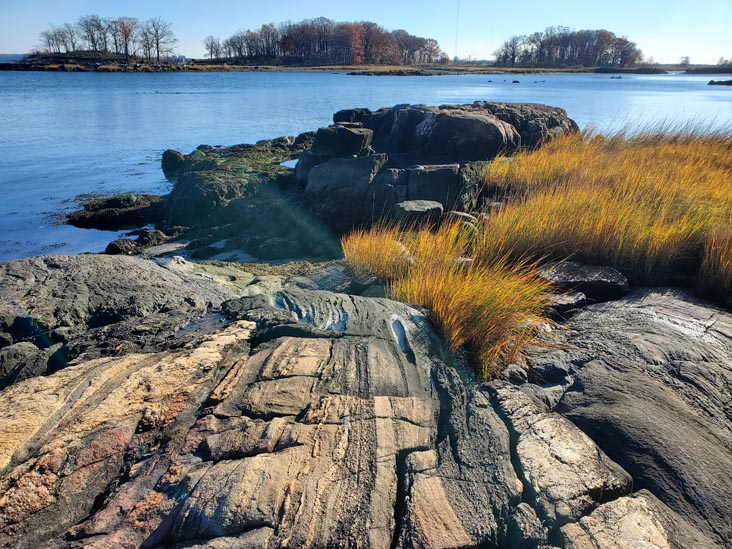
{"x": 72, "y": 38}
{"x": 213, "y": 46}
{"x": 145, "y": 40}
{"x": 127, "y": 31}
{"x": 163, "y": 39}
{"x": 87, "y": 25}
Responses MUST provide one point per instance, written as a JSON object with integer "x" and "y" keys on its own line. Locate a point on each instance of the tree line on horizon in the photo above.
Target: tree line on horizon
{"x": 561, "y": 47}
{"x": 152, "y": 39}
{"x": 321, "y": 41}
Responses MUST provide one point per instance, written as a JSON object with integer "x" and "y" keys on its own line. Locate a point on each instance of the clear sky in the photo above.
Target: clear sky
{"x": 663, "y": 29}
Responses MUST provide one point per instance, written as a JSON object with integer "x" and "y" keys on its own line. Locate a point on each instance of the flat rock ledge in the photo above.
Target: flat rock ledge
{"x": 282, "y": 414}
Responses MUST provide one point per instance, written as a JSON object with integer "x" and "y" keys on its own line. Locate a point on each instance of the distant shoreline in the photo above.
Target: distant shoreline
{"x": 355, "y": 70}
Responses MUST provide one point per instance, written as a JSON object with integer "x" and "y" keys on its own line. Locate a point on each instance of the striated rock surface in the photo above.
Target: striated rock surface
{"x": 639, "y": 520}
{"x": 648, "y": 378}
{"x": 268, "y": 413}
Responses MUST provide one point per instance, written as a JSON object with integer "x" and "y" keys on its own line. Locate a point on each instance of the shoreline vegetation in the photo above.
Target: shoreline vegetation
{"x": 657, "y": 205}
{"x": 361, "y": 48}
{"x": 89, "y": 62}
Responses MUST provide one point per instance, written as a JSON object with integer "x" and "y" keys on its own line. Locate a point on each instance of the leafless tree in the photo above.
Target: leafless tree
{"x": 213, "y": 46}
{"x": 127, "y": 31}
{"x": 162, "y": 36}
{"x": 145, "y": 41}
{"x": 71, "y": 36}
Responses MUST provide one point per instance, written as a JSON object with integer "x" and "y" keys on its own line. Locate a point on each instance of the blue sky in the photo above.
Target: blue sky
{"x": 664, "y": 30}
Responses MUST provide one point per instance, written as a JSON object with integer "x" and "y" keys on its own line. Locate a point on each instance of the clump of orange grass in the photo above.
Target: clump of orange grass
{"x": 490, "y": 309}
{"x": 716, "y": 269}
{"x": 650, "y": 204}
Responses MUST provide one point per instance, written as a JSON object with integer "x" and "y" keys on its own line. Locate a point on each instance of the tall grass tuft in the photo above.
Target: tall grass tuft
{"x": 491, "y": 310}
{"x": 646, "y": 203}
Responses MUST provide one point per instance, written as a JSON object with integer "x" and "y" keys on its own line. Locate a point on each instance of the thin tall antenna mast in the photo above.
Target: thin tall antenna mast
{"x": 457, "y": 29}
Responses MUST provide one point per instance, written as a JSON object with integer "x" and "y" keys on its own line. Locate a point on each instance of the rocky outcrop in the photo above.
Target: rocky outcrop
{"x": 56, "y": 309}
{"x": 261, "y": 413}
{"x": 647, "y": 377}
{"x": 126, "y": 211}
{"x": 227, "y": 201}
{"x": 430, "y": 153}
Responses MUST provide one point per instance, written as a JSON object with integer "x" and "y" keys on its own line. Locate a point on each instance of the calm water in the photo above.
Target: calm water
{"x": 63, "y": 135}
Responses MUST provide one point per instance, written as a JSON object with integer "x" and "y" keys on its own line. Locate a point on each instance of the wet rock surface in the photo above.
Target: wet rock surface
{"x": 125, "y": 211}
{"x": 226, "y": 409}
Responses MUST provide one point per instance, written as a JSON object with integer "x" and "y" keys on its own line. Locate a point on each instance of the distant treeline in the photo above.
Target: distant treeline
{"x": 151, "y": 39}
{"x": 324, "y": 42}
{"x": 562, "y": 47}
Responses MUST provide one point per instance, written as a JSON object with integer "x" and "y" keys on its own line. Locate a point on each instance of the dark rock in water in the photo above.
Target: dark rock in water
{"x": 126, "y": 211}
{"x": 336, "y": 189}
{"x": 340, "y": 141}
{"x": 417, "y": 212}
{"x": 597, "y": 283}
{"x": 720, "y": 82}
{"x": 198, "y": 197}
{"x": 173, "y": 163}
{"x": 212, "y": 180}
{"x": 535, "y": 123}
{"x": 434, "y": 153}
{"x": 650, "y": 377}
{"x": 278, "y": 248}
{"x": 122, "y": 246}
{"x": 432, "y": 134}
{"x": 304, "y": 140}
{"x": 350, "y": 115}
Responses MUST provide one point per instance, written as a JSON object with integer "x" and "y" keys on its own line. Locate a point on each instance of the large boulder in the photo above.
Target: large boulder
{"x": 337, "y": 190}
{"x": 341, "y": 141}
{"x": 173, "y": 162}
{"x": 434, "y": 153}
{"x": 457, "y": 133}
